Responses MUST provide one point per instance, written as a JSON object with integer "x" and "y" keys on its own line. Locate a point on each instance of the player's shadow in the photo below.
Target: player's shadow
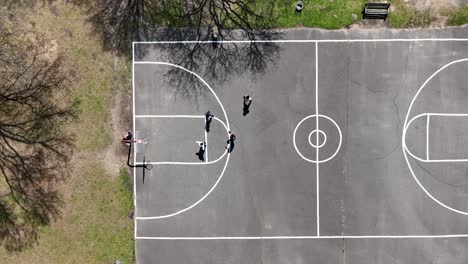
{"x": 201, "y": 154}
{"x": 246, "y": 108}
{"x": 230, "y": 147}
{"x": 208, "y": 125}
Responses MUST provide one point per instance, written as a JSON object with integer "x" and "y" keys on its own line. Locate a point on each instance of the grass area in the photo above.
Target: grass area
{"x": 90, "y": 70}
{"x": 458, "y": 17}
{"x": 94, "y": 226}
{"x": 404, "y": 16}
{"x": 328, "y": 14}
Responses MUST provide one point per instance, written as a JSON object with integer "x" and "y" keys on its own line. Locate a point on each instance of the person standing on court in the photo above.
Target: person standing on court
{"x": 201, "y": 151}
{"x": 230, "y": 141}
{"x": 247, "y": 103}
{"x": 208, "y": 119}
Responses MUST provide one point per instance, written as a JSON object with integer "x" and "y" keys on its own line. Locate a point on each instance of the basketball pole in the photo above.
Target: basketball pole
{"x": 133, "y": 165}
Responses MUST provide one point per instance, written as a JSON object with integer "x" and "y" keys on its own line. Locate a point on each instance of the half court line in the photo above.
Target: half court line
{"x": 317, "y": 140}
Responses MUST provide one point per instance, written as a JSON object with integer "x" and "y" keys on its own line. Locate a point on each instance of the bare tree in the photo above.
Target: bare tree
{"x": 119, "y": 22}
{"x": 33, "y": 146}
{"x": 215, "y": 21}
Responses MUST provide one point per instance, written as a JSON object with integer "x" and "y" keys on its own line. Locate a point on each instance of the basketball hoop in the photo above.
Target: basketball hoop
{"x": 141, "y": 141}
{"x": 136, "y": 141}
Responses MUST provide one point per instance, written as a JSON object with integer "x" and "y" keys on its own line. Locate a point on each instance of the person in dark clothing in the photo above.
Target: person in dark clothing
{"x": 247, "y": 102}
{"x": 215, "y": 37}
{"x": 230, "y": 142}
{"x": 208, "y": 119}
{"x": 201, "y": 151}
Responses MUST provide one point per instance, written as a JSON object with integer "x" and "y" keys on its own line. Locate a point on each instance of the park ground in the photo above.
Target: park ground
{"x": 96, "y": 224}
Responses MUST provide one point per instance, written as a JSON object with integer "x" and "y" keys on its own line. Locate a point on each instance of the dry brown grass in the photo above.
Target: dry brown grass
{"x": 94, "y": 226}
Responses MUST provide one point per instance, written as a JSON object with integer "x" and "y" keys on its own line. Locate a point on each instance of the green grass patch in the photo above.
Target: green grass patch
{"x": 328, "y": 14}
{"x": 110, "y": 235}
{"x": 400, "y": 15}
{"x": 458, "y": 17}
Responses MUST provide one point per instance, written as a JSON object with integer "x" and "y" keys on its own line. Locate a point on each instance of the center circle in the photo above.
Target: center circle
{"x": 316, "y": 133}
{"x": 313, "y": 137}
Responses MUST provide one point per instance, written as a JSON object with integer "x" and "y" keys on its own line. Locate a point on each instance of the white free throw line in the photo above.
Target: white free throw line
{"x": 304, "y": 237}
{"x": 169, "y": 116}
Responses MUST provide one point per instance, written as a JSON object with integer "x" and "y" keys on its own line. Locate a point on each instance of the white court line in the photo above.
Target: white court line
{"x": 169, "y": 116}
{"x": 226, "y": 126}
{"x": 427, "y": 136}
{"x": 303, "y": 41}
{"x": 194, "y": 204}
{"x": 185, "y": 162}
{"x": 317, "y": 140}
{"x": 339, "y": 142}
{"x": 403, "y": 137}
{"x": 302, "y": 237}
{"x": 134, "y": 133}
{"x": 427, "y": 160}
{"x": 206, "y": 142}
{"x": 196, "y": 75}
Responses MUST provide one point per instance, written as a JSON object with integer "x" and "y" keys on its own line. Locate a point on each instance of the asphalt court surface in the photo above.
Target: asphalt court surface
{"x": 392, "y": 133}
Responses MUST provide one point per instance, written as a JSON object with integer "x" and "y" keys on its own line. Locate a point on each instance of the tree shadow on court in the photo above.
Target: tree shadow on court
{"x": 34, "y": 149}
{"x": 119, "y": 22}
{"x": 217, "y": 65}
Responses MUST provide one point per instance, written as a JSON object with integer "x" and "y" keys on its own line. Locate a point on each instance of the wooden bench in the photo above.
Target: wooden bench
{"x": 376, "y": 10}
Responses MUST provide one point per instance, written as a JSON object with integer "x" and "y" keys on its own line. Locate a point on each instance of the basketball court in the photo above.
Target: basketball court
{"x": 354, "y": 151}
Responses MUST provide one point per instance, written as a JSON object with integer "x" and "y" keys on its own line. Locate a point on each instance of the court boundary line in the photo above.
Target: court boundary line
{"x": 303, "y": 41}
{"x": 291, "y": 237}
{"x": 135, "y": 222}
{"x": 303, "y": 237}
